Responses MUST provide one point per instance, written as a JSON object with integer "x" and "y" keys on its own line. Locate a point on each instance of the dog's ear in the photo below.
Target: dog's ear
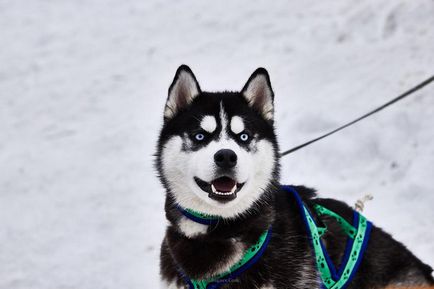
{"x": 182, "y": 91}
{"x": 259, "y": 94}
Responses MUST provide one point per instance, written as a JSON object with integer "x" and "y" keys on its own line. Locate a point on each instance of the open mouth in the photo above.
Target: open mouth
{"x": 222, "y": 189}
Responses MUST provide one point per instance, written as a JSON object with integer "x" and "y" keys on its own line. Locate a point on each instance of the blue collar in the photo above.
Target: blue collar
{"x": 197, "y": 217}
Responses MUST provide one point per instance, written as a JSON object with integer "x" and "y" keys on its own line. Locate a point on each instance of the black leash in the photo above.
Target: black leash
{"x": 398, "y": 98}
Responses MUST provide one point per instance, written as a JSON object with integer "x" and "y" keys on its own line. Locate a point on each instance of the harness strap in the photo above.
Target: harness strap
{"x": 358, "y": 236}
{"x": 347, "y": 227}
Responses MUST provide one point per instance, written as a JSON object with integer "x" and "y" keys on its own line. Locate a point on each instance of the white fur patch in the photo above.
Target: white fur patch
{"x": 223, "y": 121}
{"x": 237, "y": 125}
{"x": 191, "y": 229}
{"x": 208, "y": 123}
{"x": 308, "y": 277}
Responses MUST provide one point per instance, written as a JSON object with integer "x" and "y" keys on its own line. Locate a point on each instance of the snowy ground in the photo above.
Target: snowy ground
{"x": 82, "y": 87}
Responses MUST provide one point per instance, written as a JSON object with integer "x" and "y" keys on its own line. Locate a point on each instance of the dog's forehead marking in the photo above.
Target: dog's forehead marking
{"x": 237, "y": 124}
{"x": 223, "y": 120}
{"x": 208, "y": 123}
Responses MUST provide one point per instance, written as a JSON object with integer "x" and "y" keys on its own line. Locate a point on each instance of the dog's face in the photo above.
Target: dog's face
{"x": 217, "y": 152}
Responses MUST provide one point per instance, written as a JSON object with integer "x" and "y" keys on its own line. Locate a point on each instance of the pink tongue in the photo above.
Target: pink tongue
{"x": 224, "y": 184}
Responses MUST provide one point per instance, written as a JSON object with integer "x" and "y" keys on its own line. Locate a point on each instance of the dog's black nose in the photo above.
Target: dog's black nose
{"x": 225, "y": 158}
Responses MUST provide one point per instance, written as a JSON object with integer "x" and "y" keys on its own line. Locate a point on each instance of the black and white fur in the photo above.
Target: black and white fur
{"x": 187, "y": 166}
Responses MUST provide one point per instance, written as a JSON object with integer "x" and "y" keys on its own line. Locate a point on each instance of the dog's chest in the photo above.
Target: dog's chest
{"x": 200, "y": 256}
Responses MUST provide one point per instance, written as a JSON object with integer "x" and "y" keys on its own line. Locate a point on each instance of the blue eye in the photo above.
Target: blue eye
{"x": 244, "y": 137}
{"x": 199, "y": 136}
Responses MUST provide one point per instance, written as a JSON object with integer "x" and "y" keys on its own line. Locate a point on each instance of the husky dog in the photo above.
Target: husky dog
{"x": 218, "y": 159}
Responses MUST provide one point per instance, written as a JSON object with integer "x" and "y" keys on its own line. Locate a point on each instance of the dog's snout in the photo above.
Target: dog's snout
{"x": 225, "y": 158}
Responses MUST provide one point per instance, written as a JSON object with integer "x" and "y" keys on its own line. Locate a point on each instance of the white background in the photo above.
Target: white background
{"x": 82, "y": 89}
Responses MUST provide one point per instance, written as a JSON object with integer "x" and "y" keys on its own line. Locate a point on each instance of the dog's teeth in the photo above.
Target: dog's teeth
{"x": 233, "y": 189}
{"x": 214, "y": 190}
{"x": 224, "y": 193}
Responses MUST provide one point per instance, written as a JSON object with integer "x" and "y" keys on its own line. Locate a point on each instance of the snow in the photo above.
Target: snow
{"x": 82, "y": 89}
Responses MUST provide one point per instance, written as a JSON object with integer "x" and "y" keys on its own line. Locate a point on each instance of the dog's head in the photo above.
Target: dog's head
{"x": 217, "y": 152}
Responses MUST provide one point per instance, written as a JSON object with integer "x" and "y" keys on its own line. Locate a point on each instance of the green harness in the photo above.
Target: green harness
{"x": 358, "y": 236}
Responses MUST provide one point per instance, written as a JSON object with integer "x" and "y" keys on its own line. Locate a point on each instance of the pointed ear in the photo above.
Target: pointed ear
{"x": 259, "y": 94}
{"x": 182, "y": 91}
